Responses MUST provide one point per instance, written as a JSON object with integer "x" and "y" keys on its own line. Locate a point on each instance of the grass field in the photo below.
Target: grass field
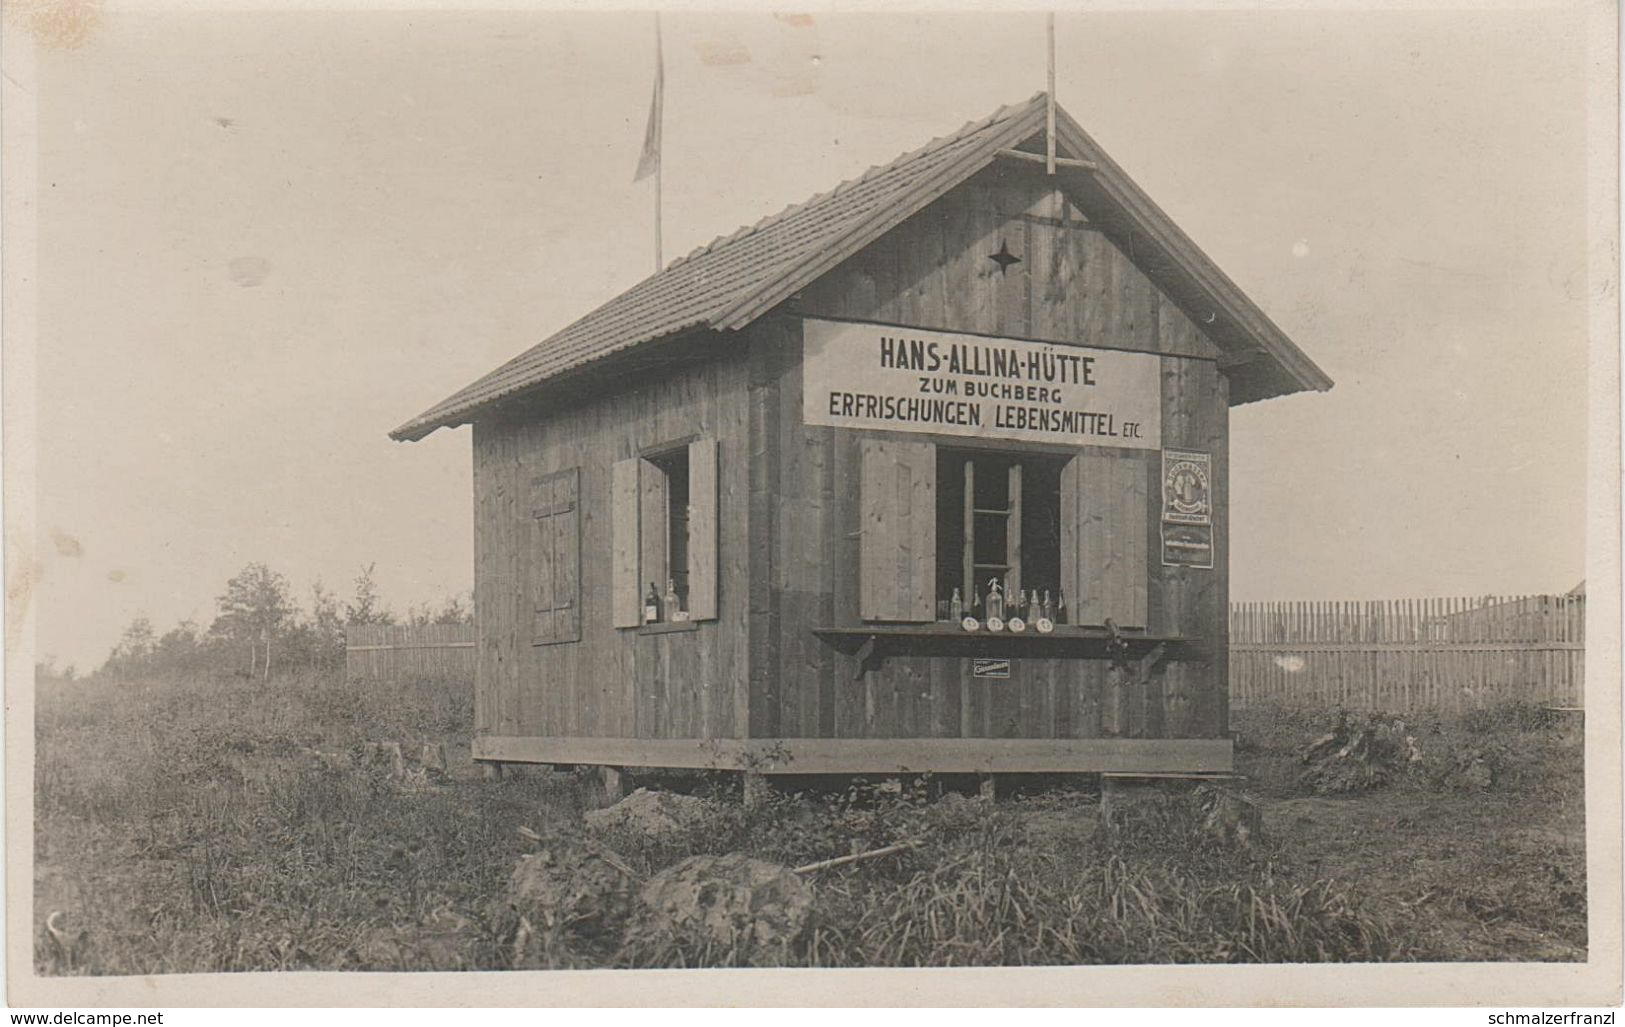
{"x": 185, "y": 827}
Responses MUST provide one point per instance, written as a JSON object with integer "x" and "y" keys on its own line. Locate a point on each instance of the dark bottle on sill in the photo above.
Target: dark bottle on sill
{"x": 1060, "y": 607}
{"x": 651, "y": 606}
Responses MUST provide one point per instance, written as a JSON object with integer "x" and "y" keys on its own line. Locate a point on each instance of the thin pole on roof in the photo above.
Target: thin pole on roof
{"x": 1049, "y": 97}
{"x": 660, "y": 65}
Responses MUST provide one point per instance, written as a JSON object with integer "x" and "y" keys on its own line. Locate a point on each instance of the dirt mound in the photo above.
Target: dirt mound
{"x": 1358, "y": 755}
{"x": 572, "y": 884}
{"x": 657, "y": 816}
{"x": 733, "y": 901}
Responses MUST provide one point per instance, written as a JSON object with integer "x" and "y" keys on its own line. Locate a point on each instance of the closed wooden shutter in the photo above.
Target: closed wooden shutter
{"x": 556, "y": 557}
{"x": 626, "y": 605}
{"x": 702, "y": 529}
{"x": 897, "y": 578}
{"x": 1103, "y": 539}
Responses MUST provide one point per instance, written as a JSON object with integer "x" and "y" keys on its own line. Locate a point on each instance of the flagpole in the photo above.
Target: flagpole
{"x": 1049, "y": 96}
{"x": 660, "y": 164}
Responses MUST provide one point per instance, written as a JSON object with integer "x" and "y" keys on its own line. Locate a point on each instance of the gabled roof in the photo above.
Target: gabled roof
{"x": 732, "y": 281}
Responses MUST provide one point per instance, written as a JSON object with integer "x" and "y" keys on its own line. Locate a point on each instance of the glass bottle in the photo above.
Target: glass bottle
{"x": 995, "y": 600}
{"x": 956, "y": 607}
{"x": 651, "y": 606}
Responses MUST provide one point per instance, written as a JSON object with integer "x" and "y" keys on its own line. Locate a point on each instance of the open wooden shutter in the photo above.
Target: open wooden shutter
{"x": 702, "y": 529}
{"x": 653, "y": 530}
{"x": 1103, "y": 539}
{"x": 897, "y": 578}
{"x": 556, "y": 557}
{"x": 626, "y": 606}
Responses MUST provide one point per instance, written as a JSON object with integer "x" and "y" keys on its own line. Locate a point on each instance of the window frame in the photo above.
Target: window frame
{"x": 660, "y": 455}
{"x": 635, "y": 550}
{"x": 1022, "y": 474}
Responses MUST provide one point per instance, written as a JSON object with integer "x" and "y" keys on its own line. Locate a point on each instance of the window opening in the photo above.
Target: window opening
{"x": 998, "y": 518}
{"x": 675, "y": 467}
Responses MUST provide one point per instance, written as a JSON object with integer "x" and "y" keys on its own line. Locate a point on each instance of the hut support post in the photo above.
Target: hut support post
{"x": 754, "y": 789}
{"x": 987, "y": 786}
{"x": 614, "y": 783}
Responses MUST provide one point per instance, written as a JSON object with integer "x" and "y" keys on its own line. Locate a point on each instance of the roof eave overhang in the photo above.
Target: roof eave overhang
{"x": 622, "y": 361}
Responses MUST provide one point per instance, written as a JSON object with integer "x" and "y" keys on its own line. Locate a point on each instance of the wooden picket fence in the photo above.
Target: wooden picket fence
{"x": 378, "y": 652}
{"x": 1410, "y": 654}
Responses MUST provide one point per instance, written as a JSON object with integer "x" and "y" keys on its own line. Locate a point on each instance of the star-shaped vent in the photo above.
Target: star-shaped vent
{"x": 1004, "y": 258}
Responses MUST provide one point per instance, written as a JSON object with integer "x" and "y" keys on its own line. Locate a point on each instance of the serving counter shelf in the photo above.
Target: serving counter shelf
{"x": 873, "y": 643}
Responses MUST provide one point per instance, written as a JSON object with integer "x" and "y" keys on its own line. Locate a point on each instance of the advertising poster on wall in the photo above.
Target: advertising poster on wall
{"x": 1187, "y": 545}
{"x": 1187, "y": 509}
{"x": 1187, "y": 487}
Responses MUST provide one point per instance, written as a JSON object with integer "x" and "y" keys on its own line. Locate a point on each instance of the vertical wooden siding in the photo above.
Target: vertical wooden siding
{"x": 1073, "y": 285}
{"x": 614, "y": 682}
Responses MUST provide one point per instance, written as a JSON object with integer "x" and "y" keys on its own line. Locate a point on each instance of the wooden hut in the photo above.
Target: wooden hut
{"x": 957, "y": 369}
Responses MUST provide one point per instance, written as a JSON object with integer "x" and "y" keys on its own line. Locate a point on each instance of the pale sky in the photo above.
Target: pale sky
{"x": 266, "y": 239}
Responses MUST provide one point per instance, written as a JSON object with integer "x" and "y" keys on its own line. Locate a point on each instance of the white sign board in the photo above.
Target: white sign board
{"x": 860, "y": 375}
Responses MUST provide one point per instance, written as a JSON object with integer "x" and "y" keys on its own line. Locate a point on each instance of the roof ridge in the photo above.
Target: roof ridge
{"x": 966, "y": 130}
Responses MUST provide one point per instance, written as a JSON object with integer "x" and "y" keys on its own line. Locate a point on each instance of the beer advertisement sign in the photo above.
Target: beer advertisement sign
{"x": 1187, "y": 487}
{"x": 1187, "y": 509}
{"x": 859, "y": 375}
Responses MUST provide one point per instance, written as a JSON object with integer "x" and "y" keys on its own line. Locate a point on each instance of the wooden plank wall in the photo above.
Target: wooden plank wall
{"x": 1410, "y": 654}
{"x": 614, "y": 682}
{"x": 379, "y": 652}
{"x": 1073, "y": 285}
